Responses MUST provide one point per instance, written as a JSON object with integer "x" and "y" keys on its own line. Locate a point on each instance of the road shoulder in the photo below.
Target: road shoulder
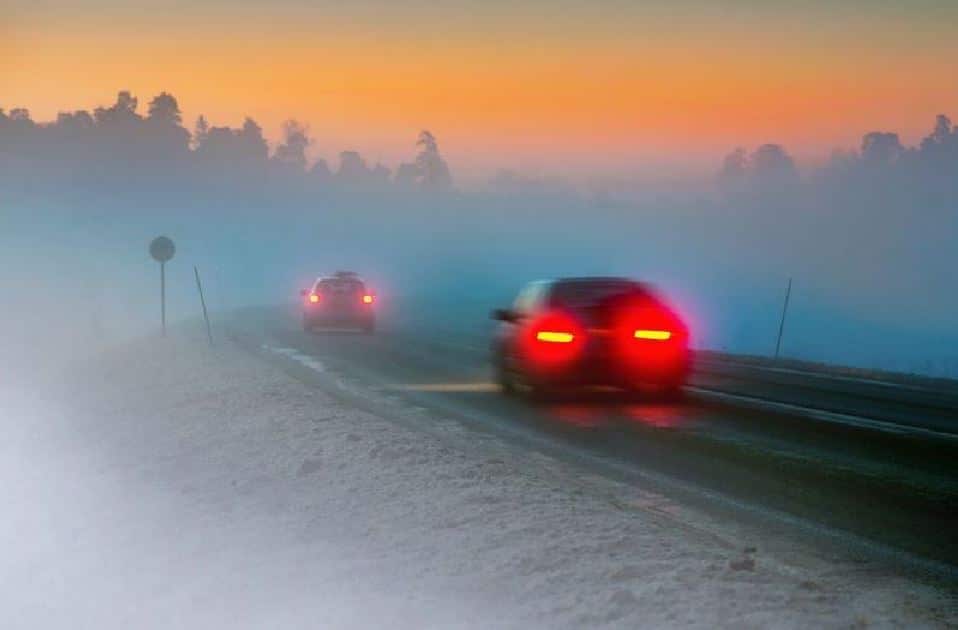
{"x": 219, "y": 466}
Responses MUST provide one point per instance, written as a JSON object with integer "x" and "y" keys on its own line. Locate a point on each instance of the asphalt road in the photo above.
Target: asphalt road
{"x": 858, "y": 463}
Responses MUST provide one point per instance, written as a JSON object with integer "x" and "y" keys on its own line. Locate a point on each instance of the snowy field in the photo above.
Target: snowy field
{"x": 167, "y": 485}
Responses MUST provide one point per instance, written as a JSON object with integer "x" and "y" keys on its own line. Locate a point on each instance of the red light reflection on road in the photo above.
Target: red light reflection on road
{"x": 596, "y": 414}
{"x": 581, "y": 415}
{"x": 663, "y": 416}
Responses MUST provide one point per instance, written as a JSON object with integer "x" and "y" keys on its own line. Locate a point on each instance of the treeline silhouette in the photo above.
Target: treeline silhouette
{"x": 881, "y": 159}
{"x": 118, "y": 147}
{"x": 869, "y": 236}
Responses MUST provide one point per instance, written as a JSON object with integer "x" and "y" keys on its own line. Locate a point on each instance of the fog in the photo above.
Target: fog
{"x": 127, "y": 504}
{"x": 99, "y": 513}
{"x": 868, "y": 238}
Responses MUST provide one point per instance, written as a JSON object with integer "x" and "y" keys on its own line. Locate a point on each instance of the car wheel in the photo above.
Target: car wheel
{"x": 521, "y": 384}
{"x": 541, "y": 394}
{"x": 504, "y": 377}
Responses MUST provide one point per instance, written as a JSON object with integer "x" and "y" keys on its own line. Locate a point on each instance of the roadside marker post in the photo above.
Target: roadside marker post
{"x": 206, "y": 317}
{"x": 162, "y": 250}
{"x": 781, "y": 325}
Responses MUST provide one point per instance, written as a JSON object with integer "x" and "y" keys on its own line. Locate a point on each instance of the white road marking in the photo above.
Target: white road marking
{"x": 304, "y": 359}
{"x": 749, "y": 401}
{"x": 445, "y": 387}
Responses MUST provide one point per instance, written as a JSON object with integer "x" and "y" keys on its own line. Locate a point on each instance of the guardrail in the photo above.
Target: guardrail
{"x": 928, "y": 403}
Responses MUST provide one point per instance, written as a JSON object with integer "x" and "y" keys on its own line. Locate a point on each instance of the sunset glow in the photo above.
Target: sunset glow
{"x": 563, "y": 86}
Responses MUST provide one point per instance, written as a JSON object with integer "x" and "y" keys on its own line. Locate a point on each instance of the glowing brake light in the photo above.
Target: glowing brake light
{"x": 654, "y": 335}
{"x": 551, "y": 340}
{"x": 368, "y": 299}
{"x": 550, "y": 336}
{"x": 313, "y": 298}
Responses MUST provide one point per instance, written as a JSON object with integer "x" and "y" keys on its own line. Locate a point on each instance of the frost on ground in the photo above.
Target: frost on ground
{"x": 170, "y": 485}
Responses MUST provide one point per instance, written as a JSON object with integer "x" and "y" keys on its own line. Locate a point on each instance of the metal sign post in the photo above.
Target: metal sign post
{"x": 162, "y": 250}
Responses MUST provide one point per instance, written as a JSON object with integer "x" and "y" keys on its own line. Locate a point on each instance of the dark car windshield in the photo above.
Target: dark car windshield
{"x": 340, "y": 286}
{"x": 597, "y": 298}
{"x": 576, "y": 294}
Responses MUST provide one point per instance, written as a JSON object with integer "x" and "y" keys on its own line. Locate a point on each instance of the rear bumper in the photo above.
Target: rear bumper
{"x": 338, "y": 318}
{"x": 669, "y": 371}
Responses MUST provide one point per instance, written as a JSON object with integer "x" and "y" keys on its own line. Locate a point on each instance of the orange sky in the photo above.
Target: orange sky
{"x": 599, "y": 87}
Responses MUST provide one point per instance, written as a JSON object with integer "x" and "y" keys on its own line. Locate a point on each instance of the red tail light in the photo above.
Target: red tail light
{"x": 313, "y": 298}
{"x": 650, "y": 337}
{"x": 553, "y": 336}
{"x": 552, "y": 340}
{"x": 368, "y": 299}
{"x": 652, "y": 334}
{"x": 648, "y": 321}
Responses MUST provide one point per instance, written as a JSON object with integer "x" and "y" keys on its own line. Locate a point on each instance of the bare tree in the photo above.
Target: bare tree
{"x": 292, "y": 152}
{"x": 352, "y": 168}
{"x": 433, "y": 170}
{"x": 164, "y": 109}
{"x": 124, "y": 110}
{"x": 733, "y": 170}
{"x": 771, "y": 161}
{"x": 200, "y": 132}
{"x": 881, "y": 148}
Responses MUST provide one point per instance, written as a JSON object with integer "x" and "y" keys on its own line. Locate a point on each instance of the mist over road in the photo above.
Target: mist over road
{"x": 873, "y": 472}
{"x": 177, "y": 451}
{"x": 357, "y": 481}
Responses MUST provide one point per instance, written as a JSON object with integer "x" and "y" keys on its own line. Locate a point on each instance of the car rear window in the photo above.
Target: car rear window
{"x": 340, "y": 286}
{"x": 577, "y": 294}
{"x": 598, "y": 301}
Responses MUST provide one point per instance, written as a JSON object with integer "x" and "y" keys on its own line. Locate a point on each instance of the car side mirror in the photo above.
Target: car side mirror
{"x": 505, "y": 315}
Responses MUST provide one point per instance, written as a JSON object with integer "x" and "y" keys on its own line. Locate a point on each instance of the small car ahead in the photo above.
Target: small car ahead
{"x": 338, "y": 301}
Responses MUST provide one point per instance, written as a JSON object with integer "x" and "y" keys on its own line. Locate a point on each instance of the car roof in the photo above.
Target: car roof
{"x": 594, "y": 280}
{"x": 587, "y": 281}
{"x": 340, "y": 278}
{"x": 574, "y": 284}
{"x": 340, "y": 275}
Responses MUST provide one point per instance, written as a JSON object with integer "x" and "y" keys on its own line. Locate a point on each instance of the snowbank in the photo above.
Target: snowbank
{"x": 170, "y": 485}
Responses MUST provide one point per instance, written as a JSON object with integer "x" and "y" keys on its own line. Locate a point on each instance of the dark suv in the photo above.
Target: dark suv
{"x": 590, "y": 331}
{"x": 340, "y": 300}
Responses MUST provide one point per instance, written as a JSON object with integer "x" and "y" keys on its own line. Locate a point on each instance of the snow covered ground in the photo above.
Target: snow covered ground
{"x": 169, "y": 485}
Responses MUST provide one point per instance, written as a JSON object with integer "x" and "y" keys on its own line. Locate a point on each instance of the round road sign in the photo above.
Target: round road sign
{"x": 162, "y": 249}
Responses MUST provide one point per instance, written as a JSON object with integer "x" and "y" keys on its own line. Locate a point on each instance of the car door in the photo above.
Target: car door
{"x": 528, "y": 304}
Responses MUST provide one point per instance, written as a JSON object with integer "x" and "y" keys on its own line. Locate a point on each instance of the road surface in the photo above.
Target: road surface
{"x": 871, "y": 467}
